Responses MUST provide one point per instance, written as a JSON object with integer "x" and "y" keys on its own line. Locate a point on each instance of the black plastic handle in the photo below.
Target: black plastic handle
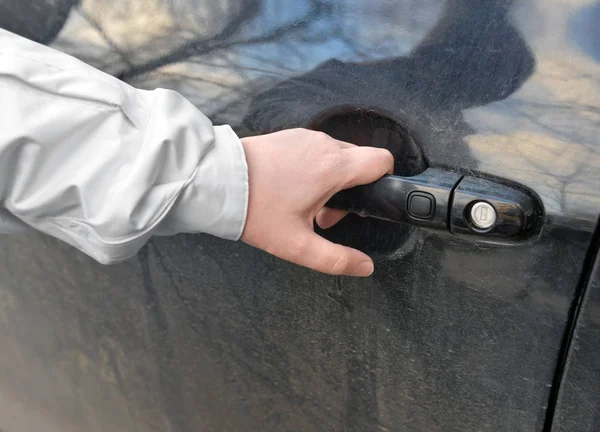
{"x": 392, "y": 198}
{"x": 443, "y": 200}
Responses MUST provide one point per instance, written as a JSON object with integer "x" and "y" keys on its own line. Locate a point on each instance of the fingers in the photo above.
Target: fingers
{"x": 364, "y": 165}
{"x": 328, "y": 217}
{"x": 314, "y": 252}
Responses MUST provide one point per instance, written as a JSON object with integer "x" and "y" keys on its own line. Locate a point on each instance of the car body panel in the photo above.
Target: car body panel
{"x": 196, "y": 333}
{"x": 578, "y": 397}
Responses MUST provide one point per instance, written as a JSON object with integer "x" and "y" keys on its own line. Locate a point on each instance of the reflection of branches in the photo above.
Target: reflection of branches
{"x": 220, "y": 41}
{"x": 198, "y": 46}
{"x": 559, "y": 106}
{"x": 359, "y": 51}
{"x": 236, "y": 67}
{"x": 552, "y": 129}
{"x": 268, "y": 61}
{"x": 112, "y": 44}
{"x": 561, "y": 165}
{"x": 189, "y": 77}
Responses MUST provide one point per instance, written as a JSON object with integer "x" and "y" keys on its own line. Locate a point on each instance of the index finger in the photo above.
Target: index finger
{"x": 363, "y": 165}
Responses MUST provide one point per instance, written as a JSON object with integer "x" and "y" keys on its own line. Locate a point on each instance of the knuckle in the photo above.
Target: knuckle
{"x": 388, "y": 156}
{"x": 300, "y": 131}
{"x": 319, "y": 136}
{"x": 325, "y": 142}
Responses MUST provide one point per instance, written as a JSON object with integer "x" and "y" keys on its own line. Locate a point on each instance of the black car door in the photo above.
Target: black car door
{"x": 575, "y": 397}
{"x": 455, "y": 331}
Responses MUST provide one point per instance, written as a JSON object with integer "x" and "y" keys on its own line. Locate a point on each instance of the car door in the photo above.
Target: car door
{"x": 455, "y": 331}
{"x": 575, "y": 396}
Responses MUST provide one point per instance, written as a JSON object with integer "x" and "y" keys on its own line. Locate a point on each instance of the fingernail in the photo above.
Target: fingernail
{"x": 364, "y": 269}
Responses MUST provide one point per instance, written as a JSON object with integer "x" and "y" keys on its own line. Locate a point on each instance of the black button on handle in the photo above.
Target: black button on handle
{"x": 421, "y": 205}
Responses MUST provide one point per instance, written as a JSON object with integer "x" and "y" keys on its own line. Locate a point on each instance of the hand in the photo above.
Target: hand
{"x": 292, "y": 174}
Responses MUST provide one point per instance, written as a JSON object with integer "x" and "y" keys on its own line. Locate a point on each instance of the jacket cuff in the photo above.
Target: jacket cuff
{"x": 216, "y": 200}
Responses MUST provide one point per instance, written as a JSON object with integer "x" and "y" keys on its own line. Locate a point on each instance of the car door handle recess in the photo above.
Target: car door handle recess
{"x": 466, "y": 206}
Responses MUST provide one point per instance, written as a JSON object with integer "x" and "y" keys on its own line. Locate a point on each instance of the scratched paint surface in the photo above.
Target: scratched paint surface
{"x": 199, "y": 334}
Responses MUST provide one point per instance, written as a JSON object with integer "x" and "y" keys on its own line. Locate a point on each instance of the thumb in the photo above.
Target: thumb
{"x": 366, "y": 164}
{"x": 324, "y": 256}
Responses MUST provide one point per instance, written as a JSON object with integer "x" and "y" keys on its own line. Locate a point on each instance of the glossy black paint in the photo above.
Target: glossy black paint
{"x": 577, "y": 395}
{"x": 200, "y": 334}
{"x": 39, "y": 21}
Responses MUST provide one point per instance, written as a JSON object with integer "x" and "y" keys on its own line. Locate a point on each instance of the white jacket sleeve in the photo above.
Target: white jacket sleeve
{"x": 103, "y": 166}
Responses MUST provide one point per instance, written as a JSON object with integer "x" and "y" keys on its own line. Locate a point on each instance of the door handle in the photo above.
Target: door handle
{"x": 437, "y": 199}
